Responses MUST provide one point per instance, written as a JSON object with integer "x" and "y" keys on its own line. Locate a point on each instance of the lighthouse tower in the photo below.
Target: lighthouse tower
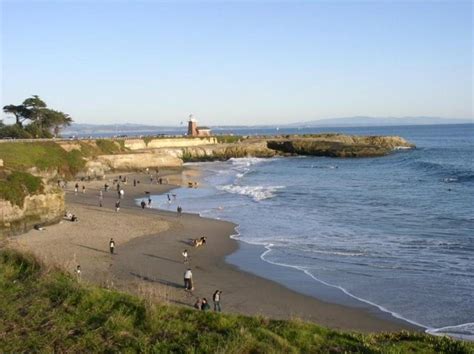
{"x": 192, "y": 126}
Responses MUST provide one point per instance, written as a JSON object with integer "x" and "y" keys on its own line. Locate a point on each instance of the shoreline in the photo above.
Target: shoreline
{"x": 149, "y": 262}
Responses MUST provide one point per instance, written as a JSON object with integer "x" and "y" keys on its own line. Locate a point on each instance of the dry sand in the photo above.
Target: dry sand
{"x": 148, "y": 257}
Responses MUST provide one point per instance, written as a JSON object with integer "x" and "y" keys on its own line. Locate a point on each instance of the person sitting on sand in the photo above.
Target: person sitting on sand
{"x": 38, "y": 227}
{"x": 205, "y": 305}
{"x": 198, "y": 303}
{"x": 74, "y": 218}
{"x": 67, "y": 215}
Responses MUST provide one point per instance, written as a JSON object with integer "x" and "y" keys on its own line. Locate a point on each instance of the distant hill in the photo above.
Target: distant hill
{"x": 128, "y": 128}
{"x": 363, "y": 121}
{"x": 358, "y": 121}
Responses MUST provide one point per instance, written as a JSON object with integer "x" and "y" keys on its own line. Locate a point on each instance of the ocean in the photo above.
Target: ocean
{"x": 395, "y": 233}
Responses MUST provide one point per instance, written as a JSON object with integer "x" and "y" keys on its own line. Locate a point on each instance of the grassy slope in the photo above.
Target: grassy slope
{"x": 50, "y": 311}
{"x": 51, "y": 156}
{"x": 15, "y": 186}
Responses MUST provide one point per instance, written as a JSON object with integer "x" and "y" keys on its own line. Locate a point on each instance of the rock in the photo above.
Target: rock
{"x": 337, "y": 145}
{"x": 37, "y": 209}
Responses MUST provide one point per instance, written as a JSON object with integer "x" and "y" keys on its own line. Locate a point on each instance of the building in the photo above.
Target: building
{"x": 194, "y": 130}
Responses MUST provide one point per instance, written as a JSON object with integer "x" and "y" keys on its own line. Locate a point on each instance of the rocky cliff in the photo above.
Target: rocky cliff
{"x": 45, "y": 208}
{"x": 337, "y": 145}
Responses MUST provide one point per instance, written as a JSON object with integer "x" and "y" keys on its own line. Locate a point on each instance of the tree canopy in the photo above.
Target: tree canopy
{"x": 33, "y": 119}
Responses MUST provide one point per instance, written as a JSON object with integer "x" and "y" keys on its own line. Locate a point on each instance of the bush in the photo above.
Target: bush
{"x": 14, "y": 131}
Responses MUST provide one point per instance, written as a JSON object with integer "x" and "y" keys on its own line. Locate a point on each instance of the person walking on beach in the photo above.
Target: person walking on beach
{"x": 76, "y": 188}
{"x": 185, "y": 256}
{"x": 143, "y": 204}
{"x": 117, "y": 206}
{"x": 179, "y": 210}
{"x": 78, "y": 271}
{"x": 112, "y": 246}
{"x": 149, "y": 201}
{"x": 83, "y": 189}
{"x": 106, "y": 187}
{"x": 216, "y": 299}
{"x": 134, "y": 182}
{"x": 188, "y": 280}
{"x": 169, "y": 199}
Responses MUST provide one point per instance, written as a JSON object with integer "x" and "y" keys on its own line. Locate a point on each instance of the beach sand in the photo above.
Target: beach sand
{"x": 148, "y": 258}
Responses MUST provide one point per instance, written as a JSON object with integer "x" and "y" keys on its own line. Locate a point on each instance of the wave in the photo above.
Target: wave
{"x": 257, "y": 193}
{"x": 330, "y": 167}
{"x": 448, "y": 173}
{"x": 463, "y": 331}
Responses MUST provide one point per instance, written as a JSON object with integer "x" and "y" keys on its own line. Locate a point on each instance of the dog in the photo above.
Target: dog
{"x": 199, "y": 242}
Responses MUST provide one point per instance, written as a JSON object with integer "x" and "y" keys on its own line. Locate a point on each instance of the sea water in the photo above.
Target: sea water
{"x": 396, "y": 232}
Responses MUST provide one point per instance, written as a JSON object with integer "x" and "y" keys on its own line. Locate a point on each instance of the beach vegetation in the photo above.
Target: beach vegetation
{"x": 108, "y": 146}
{"x": 46, "y": 310}
{"x": 15, "y": 186}
{"x": 44, "y": 155}
{"x": 228, "y": 139}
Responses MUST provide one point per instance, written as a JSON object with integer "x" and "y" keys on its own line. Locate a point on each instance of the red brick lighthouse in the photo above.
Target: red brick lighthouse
{"x": 194, "y": 130}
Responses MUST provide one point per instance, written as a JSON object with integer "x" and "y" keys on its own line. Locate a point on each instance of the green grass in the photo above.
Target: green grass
{"x": 42, "y": 155}
{"x": 108, "y": 146}
{"x": 51, "y": 156}
{"x": 49, "y": 311}
{"x": 15, "y": 186}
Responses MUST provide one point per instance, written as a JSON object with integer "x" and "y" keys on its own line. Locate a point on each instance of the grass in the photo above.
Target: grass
{"x": 42, "y": 155}
{"x": 15, "y": 186}
{"x": 50, "y": 156}
{"x": 48, "y": 311}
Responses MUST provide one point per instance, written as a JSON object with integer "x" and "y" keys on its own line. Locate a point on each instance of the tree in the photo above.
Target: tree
{"x": 43, "y": 121}
{"x": 20, "y": 112}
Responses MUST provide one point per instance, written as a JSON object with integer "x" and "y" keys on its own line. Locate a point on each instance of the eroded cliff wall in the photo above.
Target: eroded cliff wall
{"x": 42, "y": 208}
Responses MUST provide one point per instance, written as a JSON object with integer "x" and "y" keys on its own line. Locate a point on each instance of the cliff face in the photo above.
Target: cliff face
{"x": 335, "y": 145}
{"x": 48, "y": 207}
{"x": 129, "y": 162}
{"x": 140, "y": 144}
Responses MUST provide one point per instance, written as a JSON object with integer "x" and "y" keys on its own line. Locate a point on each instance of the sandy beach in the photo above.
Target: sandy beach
{"x": 148, "y": 256}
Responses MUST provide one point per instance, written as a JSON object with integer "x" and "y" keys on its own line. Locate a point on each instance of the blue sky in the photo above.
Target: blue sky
{"x": 239, "y": 62}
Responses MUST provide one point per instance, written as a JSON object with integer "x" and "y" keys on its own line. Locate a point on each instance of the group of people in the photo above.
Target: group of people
{"x": 76, "y": 189}
{"x": 203, "y": 304}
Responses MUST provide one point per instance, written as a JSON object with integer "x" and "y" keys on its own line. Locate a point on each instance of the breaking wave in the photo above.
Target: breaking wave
{"x": 257, "y": 193}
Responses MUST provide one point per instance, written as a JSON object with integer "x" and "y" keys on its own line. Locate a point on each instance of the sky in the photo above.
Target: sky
{"x": 245, "y": 62}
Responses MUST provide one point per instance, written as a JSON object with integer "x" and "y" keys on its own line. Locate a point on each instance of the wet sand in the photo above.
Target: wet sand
{"x": 148, "y": 258}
